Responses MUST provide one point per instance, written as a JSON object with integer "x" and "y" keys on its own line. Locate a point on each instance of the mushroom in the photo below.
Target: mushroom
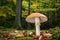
{"x": 36, "y": 18}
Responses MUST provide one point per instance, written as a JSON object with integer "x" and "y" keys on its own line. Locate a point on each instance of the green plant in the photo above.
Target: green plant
{"x": 56, "y": 34}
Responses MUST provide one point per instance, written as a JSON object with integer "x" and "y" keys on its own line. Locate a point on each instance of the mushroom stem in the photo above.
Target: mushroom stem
{"x": 37, "y": 24}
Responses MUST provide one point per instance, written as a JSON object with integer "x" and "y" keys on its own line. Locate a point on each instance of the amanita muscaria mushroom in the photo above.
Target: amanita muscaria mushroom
{"x": 37, "y": 18}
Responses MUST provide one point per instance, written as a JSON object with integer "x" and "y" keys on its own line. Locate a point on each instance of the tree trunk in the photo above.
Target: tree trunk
{"x": 18, "y": 13}
{"x": 29, "y": 26}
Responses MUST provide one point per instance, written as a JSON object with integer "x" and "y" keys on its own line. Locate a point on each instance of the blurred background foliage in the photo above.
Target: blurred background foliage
{"x": 51, "y": 8}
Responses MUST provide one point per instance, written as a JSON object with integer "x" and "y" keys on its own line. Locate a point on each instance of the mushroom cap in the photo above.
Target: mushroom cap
{"x": 31, "y": 17}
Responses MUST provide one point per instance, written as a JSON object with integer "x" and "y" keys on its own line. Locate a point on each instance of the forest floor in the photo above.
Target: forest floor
{"x": 10, "y": 31}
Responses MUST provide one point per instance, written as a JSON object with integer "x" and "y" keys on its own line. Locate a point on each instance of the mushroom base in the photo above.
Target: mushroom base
{"x": 37, "y": 30}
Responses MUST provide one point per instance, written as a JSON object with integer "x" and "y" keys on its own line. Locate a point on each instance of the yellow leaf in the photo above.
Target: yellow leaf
{"x": 14, "y": 2}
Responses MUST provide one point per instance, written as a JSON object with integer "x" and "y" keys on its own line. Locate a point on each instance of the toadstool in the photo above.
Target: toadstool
{"x": 36, "y": 18}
